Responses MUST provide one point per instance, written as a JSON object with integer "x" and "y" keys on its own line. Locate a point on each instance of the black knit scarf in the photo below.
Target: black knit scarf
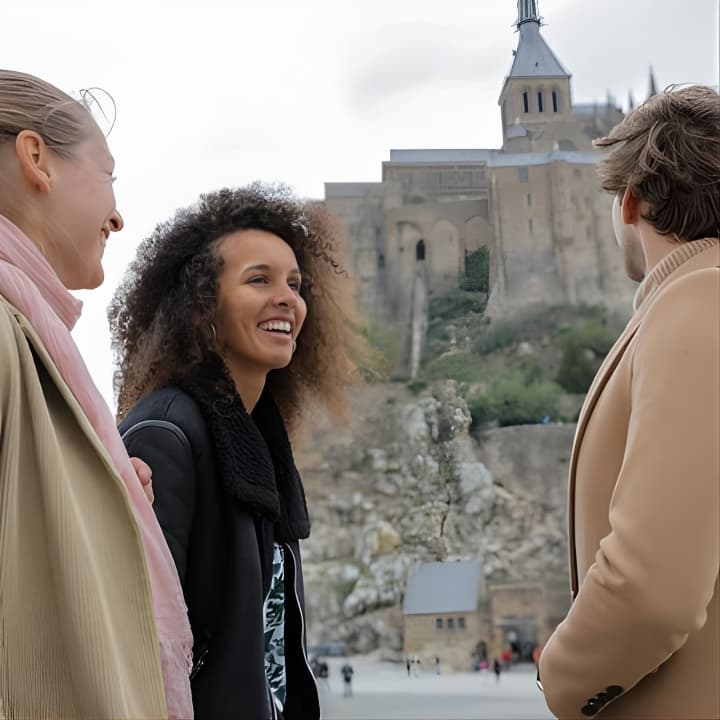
{"x": 254, "y": 456}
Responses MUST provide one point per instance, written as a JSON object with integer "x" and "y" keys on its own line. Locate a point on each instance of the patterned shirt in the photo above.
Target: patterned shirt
{"x": 274, "y": 615}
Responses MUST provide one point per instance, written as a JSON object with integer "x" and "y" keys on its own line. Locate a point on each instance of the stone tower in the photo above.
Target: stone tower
{"x": 535, "y": 101}
{"x": 534, "y": 206}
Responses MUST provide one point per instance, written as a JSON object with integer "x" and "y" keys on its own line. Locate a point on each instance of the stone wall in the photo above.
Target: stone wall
{"x": 455, "y": 647}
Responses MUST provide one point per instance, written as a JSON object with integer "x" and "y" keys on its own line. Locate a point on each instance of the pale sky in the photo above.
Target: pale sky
{"x": 216, "y": 93}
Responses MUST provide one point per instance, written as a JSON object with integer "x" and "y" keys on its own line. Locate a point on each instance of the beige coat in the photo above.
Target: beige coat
{"x": 642, "y": 638}
{"x": 77, "y": 630}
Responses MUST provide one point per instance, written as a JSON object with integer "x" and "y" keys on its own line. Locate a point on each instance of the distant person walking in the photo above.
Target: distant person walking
{"x": 497, "y": 667}
{"x": 347, "y": 673}
{"x": 437, "y": 665}
{"x": 324, "y": 674}
{"x": 407, "y": 665}
{"x": 416, "y": 666}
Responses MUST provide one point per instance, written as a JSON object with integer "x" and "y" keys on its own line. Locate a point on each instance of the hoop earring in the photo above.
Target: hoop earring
{"x": 294, "y": 347}
{"x": 214, "y": 332}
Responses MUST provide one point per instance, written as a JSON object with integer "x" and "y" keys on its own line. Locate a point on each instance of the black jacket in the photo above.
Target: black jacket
{"x": 222, "y": 545}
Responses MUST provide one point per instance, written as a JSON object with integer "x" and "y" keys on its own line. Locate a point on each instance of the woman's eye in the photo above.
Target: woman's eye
{"x": 259, "y": 279}
{"x": 294, "y": 285}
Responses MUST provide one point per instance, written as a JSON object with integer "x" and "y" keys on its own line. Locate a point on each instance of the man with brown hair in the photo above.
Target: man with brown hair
{"x": 642, "y": 638}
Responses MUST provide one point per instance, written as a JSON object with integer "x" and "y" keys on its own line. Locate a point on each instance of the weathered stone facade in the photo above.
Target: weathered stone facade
{"x": 455, "y": 644}
{"x": 535, "y": 204}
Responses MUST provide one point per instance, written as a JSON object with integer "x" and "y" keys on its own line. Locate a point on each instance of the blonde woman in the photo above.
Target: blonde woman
{"x": 92, "y": 618}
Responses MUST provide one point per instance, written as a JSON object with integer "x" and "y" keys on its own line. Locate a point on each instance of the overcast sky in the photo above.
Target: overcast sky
{"x": 217, "y": 93}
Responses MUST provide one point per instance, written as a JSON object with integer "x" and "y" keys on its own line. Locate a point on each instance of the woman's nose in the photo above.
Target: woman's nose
{"x": 286, "y": 298}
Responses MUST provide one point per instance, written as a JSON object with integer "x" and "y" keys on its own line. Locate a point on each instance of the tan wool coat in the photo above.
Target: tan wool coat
{"x": 642, "y": 638}
{"x": 77, "y": 630}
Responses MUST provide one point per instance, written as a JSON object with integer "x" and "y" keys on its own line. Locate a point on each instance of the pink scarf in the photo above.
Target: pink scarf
{"x": 29, "y": 283}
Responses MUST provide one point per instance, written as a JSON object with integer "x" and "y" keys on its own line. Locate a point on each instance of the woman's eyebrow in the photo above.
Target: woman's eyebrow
{"x": 267, "y": 268}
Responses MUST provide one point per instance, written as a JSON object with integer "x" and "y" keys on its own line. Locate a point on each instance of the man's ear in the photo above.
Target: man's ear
{"x": 34, "y": 159}
{"x": 630, "y": 207}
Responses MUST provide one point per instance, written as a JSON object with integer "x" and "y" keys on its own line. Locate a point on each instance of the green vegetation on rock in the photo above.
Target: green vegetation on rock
{"x": 515, "y": 371}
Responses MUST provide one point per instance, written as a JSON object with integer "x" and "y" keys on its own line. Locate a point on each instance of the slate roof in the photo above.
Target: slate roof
{"x": 533, "y": 57}
{"x": 444, "y": 587}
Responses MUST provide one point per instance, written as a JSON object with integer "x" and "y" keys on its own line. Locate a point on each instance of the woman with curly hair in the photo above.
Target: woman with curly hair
{"x": 228, "y": 323}
{"x": 92, "y": 618}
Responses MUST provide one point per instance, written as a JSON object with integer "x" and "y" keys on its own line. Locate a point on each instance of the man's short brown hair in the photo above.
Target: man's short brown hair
{"x": 667, "y": 151}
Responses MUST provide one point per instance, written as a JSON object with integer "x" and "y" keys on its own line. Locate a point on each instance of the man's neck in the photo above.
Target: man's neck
{"x": 655, "y": 246}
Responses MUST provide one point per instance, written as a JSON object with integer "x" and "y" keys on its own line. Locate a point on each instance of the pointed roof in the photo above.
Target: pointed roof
{"x": 533, "y": 57}
{"x": 652, "y": 87}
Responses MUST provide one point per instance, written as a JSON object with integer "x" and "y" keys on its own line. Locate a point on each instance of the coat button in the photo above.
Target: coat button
{"x": 593, "y": 706}
{"x": 613, "y": 691}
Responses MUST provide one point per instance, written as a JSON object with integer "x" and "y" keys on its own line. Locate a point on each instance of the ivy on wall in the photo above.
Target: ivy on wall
{"x": 477, "y": 271}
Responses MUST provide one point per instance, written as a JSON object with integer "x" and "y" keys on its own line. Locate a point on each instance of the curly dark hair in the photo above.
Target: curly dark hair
{"x": 161, "y": 314}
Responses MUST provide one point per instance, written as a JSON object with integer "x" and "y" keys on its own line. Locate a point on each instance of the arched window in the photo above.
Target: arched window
{"x": 381, "y": 261}
{"x": 420, "y": 250}
{"x": 526, "y": 102}
{"x": 555, "y": 100}
{"x": 540, "y": 101}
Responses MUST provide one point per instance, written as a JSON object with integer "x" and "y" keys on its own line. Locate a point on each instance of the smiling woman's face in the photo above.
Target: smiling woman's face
{"x": 260, "y": 310}
{"x": 83, "y": 213}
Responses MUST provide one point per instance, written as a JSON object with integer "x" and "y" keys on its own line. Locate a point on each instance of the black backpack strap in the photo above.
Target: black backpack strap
{"x": 205, "y": 614}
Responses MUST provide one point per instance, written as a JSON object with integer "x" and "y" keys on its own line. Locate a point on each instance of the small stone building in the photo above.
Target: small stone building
{"x": 444, "y": 616}
{"x": 452, "y": 613}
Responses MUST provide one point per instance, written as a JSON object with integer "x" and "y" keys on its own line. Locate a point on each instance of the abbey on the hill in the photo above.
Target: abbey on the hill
{"x": 535, "y": 205}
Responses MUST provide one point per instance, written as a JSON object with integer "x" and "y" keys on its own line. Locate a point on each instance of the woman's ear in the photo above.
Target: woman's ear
{"x": 34, "y": 160}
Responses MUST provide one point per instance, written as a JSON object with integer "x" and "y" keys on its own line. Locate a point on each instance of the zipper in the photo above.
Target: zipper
{"x": 302, "y": 619}
{"x": 271, "y": 698}
{"x": 198, "y": 664}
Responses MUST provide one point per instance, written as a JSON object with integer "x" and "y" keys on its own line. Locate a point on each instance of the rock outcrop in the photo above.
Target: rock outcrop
{"x": 405, "y": 482}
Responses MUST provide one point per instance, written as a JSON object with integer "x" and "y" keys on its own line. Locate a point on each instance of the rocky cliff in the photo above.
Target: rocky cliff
{"x": 404, "y": 482}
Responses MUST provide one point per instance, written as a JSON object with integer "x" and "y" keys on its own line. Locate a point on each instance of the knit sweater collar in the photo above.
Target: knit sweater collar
{"x": 671, "y": 262}
{"x": 253, "y": 451}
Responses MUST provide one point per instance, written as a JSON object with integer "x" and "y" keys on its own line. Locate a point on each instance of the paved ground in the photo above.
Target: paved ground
{"x": 383, "y": 691}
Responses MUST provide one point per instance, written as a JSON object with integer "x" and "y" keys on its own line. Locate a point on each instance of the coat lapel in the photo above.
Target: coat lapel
{"x": 707, "y": 257}
{"x": 601, "y": 378}
{"x": 83, "y": 423}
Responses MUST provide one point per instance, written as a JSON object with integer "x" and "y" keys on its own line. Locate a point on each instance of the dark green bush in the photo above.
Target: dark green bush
{"x": 417, "y": 386}
{"x": 477, "y": 271}
{"x": 509, "y": 400}
{"x": 460, "y": 366}
{"x": 583, "y": 347}
{"x": 454, "y": 304}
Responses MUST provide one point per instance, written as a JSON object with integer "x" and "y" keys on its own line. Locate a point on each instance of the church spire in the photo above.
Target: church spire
{"x": 652, "y": 87}
{"x": 528, "y": 12}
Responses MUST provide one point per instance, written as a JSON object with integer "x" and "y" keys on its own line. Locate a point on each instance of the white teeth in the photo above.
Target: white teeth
{"x": 278, "y": 325}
